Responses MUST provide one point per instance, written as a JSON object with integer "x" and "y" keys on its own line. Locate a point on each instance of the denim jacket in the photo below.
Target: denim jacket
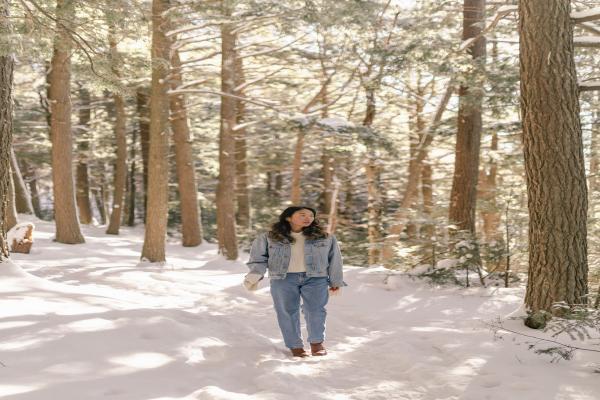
{"x": 322, "y": 258}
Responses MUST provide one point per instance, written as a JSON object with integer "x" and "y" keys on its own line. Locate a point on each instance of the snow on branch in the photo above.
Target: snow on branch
{"x": 585, "y": 16}
{"x": 587, "y": 41}
{"x": 188, "y": 29}
{"x": 254, "y": 81}
{"x": 590, "y": 27}
{"x": 589, "y": 86}
{"x": 262, "y": 52}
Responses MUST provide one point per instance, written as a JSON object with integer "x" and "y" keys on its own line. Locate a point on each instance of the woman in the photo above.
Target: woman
{"x": 304, "y": 262}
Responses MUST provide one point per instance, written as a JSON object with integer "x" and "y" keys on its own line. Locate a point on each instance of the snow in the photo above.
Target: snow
{"x": 586, "y": 15}
{"x": 88, "y": 322}
{"x": 587, "y": 41}
{"x": 335, "y": 123}
{"x": 18, "y": 232}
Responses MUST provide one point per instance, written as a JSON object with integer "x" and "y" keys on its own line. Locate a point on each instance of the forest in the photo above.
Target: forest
{"x": 449, "y": 146}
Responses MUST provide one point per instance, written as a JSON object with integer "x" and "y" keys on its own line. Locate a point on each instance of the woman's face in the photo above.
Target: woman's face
{"x": 301, "y": 218}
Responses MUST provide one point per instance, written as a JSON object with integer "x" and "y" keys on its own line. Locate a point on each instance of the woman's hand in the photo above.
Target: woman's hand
{"x": 251, "y": 281}
{"x": 334, "y": 291}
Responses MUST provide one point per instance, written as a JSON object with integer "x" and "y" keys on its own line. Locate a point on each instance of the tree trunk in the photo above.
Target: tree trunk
{"x": 30, "y": 175}
{"x": 463, "y": 197}
{"x": 594, "y": 178}
{"x": 226, "y": 184}
{"x": 373, "y": 172}
{"x": 486, "y": 193}
{"x": 6, "y": 119}
{"x": 120, "y": 178}
{"x": 296, "y": 191}
{"x": 157, "y": 209}
{"x": 241, "y": 162}
{"x": 83, "y": 149}
{"x": 184, "y": 159}
{"x": 22, "y": 197}
{"x": 428, "y": 229}
{"x": 553, "y": 150}
{"x": 132, "y": 188}
{"x": 143, "y": 104}
{"x": 65, "y": 209}
{"x": 11, "y": 210}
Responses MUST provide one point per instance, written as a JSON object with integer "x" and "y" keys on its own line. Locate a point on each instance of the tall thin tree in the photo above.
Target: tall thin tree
{"x": 65, "y": 210}
{"x": 226, "y": 234}
{"x": 157, "y": 207}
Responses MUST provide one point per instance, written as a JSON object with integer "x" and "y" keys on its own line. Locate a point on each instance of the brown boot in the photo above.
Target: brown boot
{"x": 317, "y": 349}
{"x": 299, "y": 352}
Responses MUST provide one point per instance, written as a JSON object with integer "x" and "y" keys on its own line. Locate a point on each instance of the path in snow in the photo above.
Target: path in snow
{"x": 90, "y": 323}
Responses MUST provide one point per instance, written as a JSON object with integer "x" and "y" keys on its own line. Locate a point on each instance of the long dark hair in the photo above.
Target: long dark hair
{"x": 281, "y": 229}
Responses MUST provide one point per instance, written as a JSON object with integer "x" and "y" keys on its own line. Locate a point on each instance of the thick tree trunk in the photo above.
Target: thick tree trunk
{"x": 83, "y": 149}
{"x": 184, "y": 159}
{"x": 65, "y": 209}
{"x": 463, "y": 197}
{"x": 120, "y": 178}
{"x": 594, "y": 177}
{"x": 157, "y": 209}
{"x": 22, "y": 197}
{"x": 6, "y": 118}
{"x": 554, "y": 163}
{"x": 226, "y": 185}
{"x": 143, "y": 110}
{"x": 241, "y": 162}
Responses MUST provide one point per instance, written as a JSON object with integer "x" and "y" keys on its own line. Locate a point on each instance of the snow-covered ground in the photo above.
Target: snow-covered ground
{"x": 87, "y": 322}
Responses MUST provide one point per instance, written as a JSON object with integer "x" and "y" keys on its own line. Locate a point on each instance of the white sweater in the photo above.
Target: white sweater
{"x": 297, "y": 259}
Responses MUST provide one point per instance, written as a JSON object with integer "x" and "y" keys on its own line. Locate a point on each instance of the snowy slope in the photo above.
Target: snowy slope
{"x": 87, "y": 322}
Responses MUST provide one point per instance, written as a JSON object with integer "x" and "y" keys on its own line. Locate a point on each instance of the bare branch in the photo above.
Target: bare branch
{"x": 589, "y": 86}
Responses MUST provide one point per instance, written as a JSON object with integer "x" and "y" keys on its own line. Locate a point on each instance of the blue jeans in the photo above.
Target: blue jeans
{"x": 286, "y": 295}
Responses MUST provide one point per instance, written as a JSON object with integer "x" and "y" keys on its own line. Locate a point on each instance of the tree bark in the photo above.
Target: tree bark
{"x": 22, "y": 197}
{"x": 120, "y": 178}
{"x": 65, "y": 210}
{"x": 553, "y": 150}
{"x": 83, "y": 149}
{"x": 184, "y": 160}
{"x": 157, "y": 209}
{"x": 594, "y": 178}
{"x": 227, "y": 241}
{"x": 143, "y": 104}
{"x": 463, "y": 197}
{"x": 6, "y": 119}
{"x": 241, "y": 162}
